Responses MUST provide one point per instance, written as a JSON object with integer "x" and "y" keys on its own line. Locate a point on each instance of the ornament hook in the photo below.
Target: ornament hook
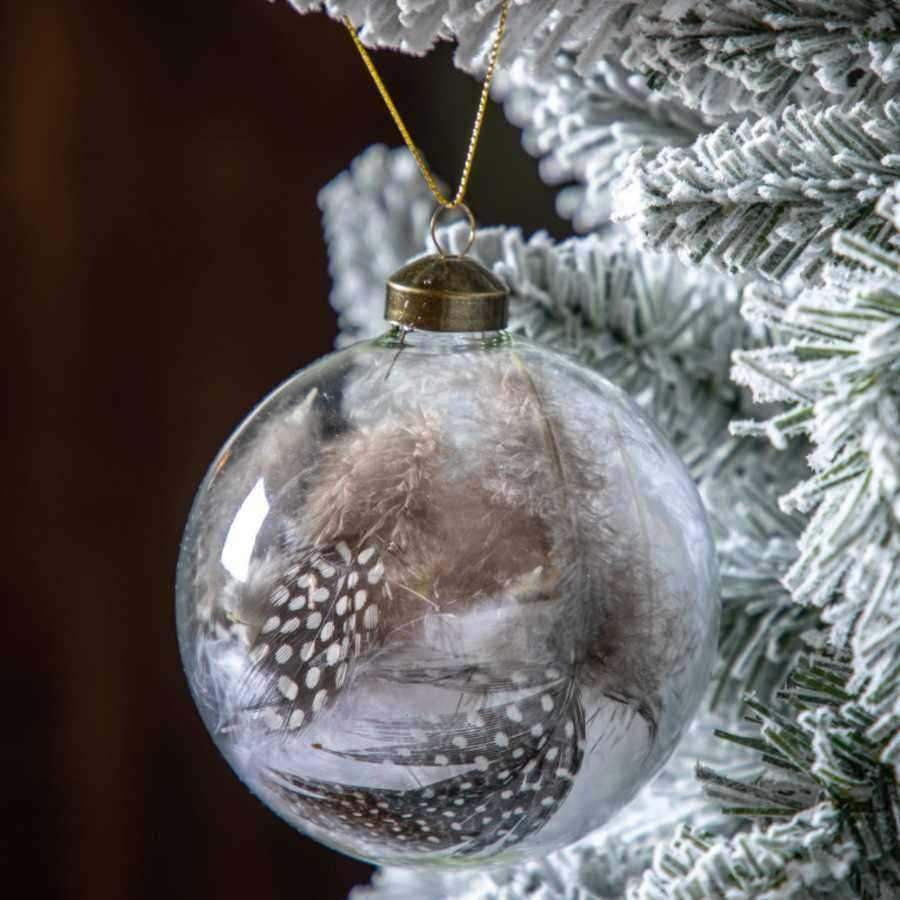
{"x": 434, "y": 223}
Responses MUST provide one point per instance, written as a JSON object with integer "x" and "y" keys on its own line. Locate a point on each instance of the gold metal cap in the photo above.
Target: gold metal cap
{"x": 446, "y": 293}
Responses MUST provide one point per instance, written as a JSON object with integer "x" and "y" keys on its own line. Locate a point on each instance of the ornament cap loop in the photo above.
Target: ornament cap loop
{"x": 446, "y": 293}
{"x": 435, "y": 218}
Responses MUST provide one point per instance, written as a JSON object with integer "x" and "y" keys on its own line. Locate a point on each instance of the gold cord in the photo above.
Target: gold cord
{"x": 479, "y": 116}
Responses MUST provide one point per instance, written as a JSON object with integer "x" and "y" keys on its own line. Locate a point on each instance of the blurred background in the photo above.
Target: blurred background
{"x": 165, "y": 269}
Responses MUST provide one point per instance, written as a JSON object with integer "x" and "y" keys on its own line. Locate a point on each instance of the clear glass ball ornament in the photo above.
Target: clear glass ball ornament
{"x": 447, "y": 599}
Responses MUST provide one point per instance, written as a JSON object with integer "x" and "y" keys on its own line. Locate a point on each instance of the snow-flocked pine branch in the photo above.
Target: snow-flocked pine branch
{"x": 769, "y": 196}
{"x": 762, "y": 628}
{"x": 839, "y": 376}
{"x": 757, "y": 56}
{"x": 585, "y": 129}
{"x": 536, "y": 28}
{"x": 825, "y": 808}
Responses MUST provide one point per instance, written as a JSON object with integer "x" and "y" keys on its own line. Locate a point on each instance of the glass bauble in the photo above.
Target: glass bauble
{"x": 447, "y": 599}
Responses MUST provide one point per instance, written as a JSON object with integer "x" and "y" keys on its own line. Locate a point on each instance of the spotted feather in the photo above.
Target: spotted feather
{"x": 319, "y": 619}
{"x": 520, "y": 760}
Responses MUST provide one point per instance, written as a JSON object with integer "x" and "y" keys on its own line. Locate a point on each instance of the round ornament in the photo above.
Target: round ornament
{"x": 447, "y": 597}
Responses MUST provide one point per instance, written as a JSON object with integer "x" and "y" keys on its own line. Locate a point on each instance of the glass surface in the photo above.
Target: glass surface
{"x": 447, "y": 600}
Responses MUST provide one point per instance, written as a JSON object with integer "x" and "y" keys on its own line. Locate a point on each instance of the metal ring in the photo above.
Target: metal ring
{"x": 434, "y": 221}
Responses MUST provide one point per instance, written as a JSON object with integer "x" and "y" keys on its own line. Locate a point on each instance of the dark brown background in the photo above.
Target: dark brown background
{"x": 164, "y": 270}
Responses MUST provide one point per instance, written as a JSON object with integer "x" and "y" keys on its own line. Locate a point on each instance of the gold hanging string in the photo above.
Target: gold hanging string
{"x": 479, "y": 116}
